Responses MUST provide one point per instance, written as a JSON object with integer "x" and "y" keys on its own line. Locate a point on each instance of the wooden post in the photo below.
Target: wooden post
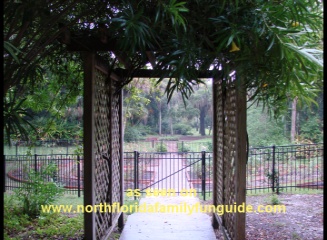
{"x": 241, "y": 158}
{"x": 121, "y": 132}
{"x": 89, "y": 139}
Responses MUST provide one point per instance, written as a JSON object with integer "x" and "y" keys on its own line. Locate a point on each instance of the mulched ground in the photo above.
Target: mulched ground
{"x": 303, "y": 218}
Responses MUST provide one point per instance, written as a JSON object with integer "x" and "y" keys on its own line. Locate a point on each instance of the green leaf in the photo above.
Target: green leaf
{"x": 12, "y": 50}
{"x": 313, "y": 55}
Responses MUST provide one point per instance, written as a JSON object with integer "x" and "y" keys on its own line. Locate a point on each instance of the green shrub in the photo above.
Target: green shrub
{"x": 18, "y": 225}
{"x": 38, "y": 190}
{"x": 132, "y": 134}
{"x": 14, "y": 218}
{"x": 161, "y": 148}
{"x": 274, "y": 179}
{"x": 274, "y": 200}
{"x": 182, "y": 129}
{"x": 145, "y": 130}
{"x": 182, "y": 147}
{"x": 79, "y": 150}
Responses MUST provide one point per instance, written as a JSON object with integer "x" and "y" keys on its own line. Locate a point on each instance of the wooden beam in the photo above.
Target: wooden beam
{"x": 149, "y": 73}
{"x": 65, "y": 35}
{"x": 91, "y": 44}
{"x": 115, "y": 77}
{"x": 102, "y": 32}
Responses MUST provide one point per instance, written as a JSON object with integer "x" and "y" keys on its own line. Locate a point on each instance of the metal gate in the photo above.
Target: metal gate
{"x": 168, "y": 174}
{"x": 229, "y": 145}
{"x": 102, "y": 148}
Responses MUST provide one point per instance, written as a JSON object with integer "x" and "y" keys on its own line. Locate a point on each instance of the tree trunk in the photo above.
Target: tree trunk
{"x": 293, "y": 121}
{"x": 197, "y": 124}
{"x": 170, "y": 120}
{"x": 202, "y": 121}
{"x": 160, "y": 120}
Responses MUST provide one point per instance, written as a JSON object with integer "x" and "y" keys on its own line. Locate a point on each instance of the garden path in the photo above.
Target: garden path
{"x": 166, "y": 225}
{"x": 170, "y": 173}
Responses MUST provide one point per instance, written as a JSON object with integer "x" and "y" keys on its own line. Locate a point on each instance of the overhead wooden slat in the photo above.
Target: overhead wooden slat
{"x": 115, "y": 77}
{"x": 149, "y": 73}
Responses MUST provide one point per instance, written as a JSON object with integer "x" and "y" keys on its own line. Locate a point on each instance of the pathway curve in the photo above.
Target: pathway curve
{"x": 168, "y": 226}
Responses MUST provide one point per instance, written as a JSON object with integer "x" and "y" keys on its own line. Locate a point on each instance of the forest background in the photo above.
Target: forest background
{"x": 56, "y": 111}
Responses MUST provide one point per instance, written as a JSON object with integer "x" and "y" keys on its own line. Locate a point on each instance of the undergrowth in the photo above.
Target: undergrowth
{"x": 18, "y": 225}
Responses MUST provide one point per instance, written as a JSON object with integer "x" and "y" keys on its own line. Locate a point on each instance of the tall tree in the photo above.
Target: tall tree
{"x": 202, "y": 99}
{"x": 293, "y": 121}
{"x": 157, "y": 95}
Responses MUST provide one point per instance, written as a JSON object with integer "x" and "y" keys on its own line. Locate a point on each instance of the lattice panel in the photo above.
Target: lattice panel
{"x": 106, "y": 150}
{"x": 219, "y": 114}
{"x": 101, "y": 148}
{"x": 115, "y": 150}
{"x": 225, "y": 100}
{"x": 229, "y": 156}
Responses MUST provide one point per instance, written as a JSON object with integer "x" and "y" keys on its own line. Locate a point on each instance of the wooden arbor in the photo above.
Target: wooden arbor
{"x": 103, "y": 139}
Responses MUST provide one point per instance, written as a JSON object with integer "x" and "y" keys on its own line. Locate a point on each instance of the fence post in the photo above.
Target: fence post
{"x": 136, "y": 154}
{"x": 16, "y": 145}
{"x": 182, "y": 146}
{"x": 204, "y": 175}
{"x": 35, "y": 163}
{"x": 67, "y": 143}
{"x": 78, "y": 177}
{"x": 273, "y": 167}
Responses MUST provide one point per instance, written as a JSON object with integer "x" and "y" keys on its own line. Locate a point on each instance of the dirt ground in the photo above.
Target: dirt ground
{"x": 303, "y": 218}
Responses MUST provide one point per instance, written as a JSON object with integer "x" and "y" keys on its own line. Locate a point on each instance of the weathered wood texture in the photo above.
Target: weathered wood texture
{"x": 102, "y": 147}
{"x": 229, "y": 154}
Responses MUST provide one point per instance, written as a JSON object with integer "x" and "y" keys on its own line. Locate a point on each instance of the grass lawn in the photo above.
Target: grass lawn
{"x": 40, "y": 150}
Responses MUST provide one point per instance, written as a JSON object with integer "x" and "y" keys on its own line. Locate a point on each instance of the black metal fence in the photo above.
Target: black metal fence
{"x": 69, "y": 172}
{"x": 169, "y": 173}
{"x": 285, "y": 167}
{"x": 273, "y": 168}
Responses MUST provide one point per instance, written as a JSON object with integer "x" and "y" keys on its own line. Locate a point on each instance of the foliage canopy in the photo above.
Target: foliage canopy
{"x": 273, "y": 46}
